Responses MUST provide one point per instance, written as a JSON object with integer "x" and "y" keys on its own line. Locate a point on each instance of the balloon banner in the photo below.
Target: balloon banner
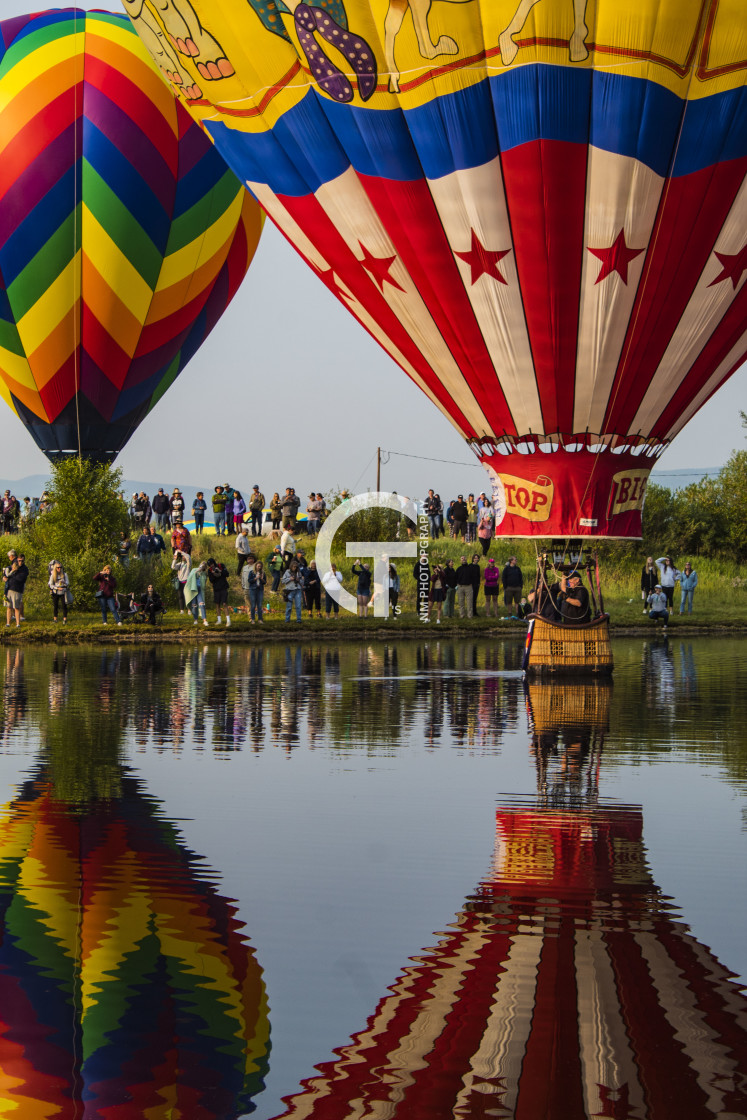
{"x": 123, "y": 234}
{"x": 537, "y": 207}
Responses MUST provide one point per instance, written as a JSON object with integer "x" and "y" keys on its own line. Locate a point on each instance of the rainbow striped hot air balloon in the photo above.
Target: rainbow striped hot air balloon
{"x": 123, "y": 235}
{"x": 537, "y": 207}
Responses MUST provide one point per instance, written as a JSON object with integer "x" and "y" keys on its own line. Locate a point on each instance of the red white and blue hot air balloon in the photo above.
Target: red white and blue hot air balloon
{"x": 537, "y": 207}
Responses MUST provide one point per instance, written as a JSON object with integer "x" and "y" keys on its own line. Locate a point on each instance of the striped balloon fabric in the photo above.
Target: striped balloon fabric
{"x": 537, "y": 207}
{"x": 123, "y": 234}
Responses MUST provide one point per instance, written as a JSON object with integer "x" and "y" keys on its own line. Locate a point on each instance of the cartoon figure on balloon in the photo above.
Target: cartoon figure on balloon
{"x": 183, "y": 32}
{"x": 445, "y": 45}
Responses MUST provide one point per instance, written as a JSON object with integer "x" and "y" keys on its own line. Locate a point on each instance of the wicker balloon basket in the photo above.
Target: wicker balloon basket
{"x": 557, "y": 648}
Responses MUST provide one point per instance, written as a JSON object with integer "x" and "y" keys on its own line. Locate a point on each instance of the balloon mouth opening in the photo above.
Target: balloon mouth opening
{"x": 647, "y": 447}
{"x": 90, "y": 456}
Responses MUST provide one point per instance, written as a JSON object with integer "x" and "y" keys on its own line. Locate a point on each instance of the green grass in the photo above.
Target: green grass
{"x": 720, "y": 599}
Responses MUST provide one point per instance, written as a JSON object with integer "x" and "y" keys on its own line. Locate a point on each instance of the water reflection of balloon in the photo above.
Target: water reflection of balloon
{"x": 125, "y": 981}
{"x": 123, "y": 235}
{"x": 538, "y": 209}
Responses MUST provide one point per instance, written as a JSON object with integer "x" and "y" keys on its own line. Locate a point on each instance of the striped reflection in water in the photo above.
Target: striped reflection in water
{"x": 126, "y": 985}
{"x": 566, "y": 988}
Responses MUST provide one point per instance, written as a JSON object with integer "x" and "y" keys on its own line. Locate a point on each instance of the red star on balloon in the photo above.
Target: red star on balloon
{"x": 616, "y": 258}
{"x": 732, "y": 267}
{"x": 379, "y": 267}
{"x": 482, "y": 261}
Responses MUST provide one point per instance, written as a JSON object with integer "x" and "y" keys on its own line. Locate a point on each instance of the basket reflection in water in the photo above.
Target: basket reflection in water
{"x": 566, "y": 988}
{"x": 126, "y": 985}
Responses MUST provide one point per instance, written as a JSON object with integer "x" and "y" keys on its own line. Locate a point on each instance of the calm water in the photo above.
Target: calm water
{"x": 372, "y": 881}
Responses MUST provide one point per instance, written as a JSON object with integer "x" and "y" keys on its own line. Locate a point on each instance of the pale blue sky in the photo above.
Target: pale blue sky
{"x": 290, "y": 390}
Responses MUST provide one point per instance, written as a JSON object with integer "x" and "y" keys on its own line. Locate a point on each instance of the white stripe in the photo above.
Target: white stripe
{"x": 705, "y": 310}
{"x": 474, "y": 199}
{"x": 735, "y": 355}
{"x": 290, "y": 228}
{"x": 621, "y": 193}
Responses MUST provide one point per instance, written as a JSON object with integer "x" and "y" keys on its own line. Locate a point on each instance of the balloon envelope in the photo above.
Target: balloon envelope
{"x": 536, "y": 206}
{"x": 123, "y": 234}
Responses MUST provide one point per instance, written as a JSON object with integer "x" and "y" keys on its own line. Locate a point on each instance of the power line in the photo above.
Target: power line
{"x": 430, "y": 459}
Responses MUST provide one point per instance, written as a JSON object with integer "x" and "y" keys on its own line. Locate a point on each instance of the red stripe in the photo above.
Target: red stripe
{"x": 408, "y": 214}
{"x": 548, "y": 233}
{"x": 719, "y": 345}
{"x": 105, "y": 350}
{"x": 37, "y": 135}
{"x": 151, "y": 122}
{"x": 167, "y": 330}
{"x": 59, "y": 390}
{"x": 692, "y": 212}
{"x": 320, "y": 230}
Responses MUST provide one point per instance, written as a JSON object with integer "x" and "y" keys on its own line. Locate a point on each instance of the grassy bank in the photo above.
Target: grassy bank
{"x": 720, "y": 599}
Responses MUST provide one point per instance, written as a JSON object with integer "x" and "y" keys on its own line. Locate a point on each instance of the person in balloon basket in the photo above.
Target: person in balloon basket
{"x": 15, "y": 585}
{"x": 573, "y": 599}
{"x": 106, "y": 594}
{"x": 658, "y": 604}
{"x": 217, "y": 573}
{"x": 513, "y": 582}
{"x": 162, "y": 509}
{"x": 688, "y": 583}
{"x": 649, "y": 580}
{"x": 218, "y": 502}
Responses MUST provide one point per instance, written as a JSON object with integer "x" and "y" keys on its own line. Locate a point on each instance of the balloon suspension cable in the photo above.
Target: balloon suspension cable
{"x": 599, "y": 582}
{"x": 591, "y": 588}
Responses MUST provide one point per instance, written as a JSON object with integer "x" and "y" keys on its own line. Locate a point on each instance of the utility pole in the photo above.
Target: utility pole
{"x": 378, "y": 468}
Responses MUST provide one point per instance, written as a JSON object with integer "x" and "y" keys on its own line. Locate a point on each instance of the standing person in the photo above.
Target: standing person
{"x": 363, "y": 588}
{"x": 144, "y": 548}
{"x": 217, "y": 573}
{"x": 451, "y": 586}
{"x": 312, "y": 590}
{"x": 464, "y": 588}
{"x": 257, "y": 580}
{"x": 194, "y": 594}
{"x": 157, "y": 546}
{"x": 239, "y": 509}
{"x": 15, "y": 585}
{"x": 393, "y": 579}
{"x": 688, "y": 583}
{"x": 199, "y": 506}
{"x": 485, "y": 529}
{"x": 438, "y": 591}
{"x": 288, "y": 544}
{"x": 105, "y": 594}
{"x": 331, "y": 577}
{"x": 471, "y": 519}
{"x": 668, "y": 576}
{"x": 459, "y": 517}
{"x": 147, "y": 507}
{"x": 322, "y": 508}
{"x": 218, "y": 502}
{"x": 512, "y": 581}
{"x": 256, "y": 509}
{"x": 276, "y": 564}
{"x": 476, "y": 575}
{"x": 59, "y": 585}
{"x": 123, "y": 549}
{"x": 181, "y": 565}
{"x": 421, "y": 573}
{"x": 313, "y": 515}
{"x": 243, "y": 549}
{"x": 649, "y": 580}
{"x": 162, "y": 510}
{"x": 176, "y": 505}
{"x": 430, "y": 508}
{"x": 450, "y": 516}
{"x": 276, "y": 511}
{"x": 289, "y": 506}
{"x": 181, "y": 541}
{"x": 292, "y": 581}
{"x": 492, "y": 583}
{"x": 440, "y": 514}
{"x": 229, "y": 491}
